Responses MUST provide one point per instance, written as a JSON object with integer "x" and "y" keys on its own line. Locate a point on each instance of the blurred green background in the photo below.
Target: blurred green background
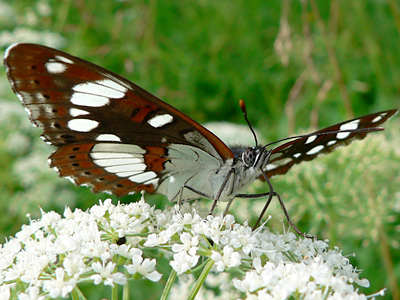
{"x": 299, "y": 65}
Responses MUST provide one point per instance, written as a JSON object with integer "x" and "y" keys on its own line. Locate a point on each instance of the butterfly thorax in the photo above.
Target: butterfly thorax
{"x": 218, "y": 179}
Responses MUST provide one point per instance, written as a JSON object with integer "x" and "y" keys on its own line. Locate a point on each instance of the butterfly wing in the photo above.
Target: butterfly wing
{"x": 110, "y": 133}
{"x": 307, "y": 148}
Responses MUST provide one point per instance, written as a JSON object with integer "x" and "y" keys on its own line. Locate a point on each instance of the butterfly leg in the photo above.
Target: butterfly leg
{"x": 262, "y": 195}
{"x": 223, "y": 185}
{"x": 193, "y": 190}
{"x": 291, "y": 224}
{"x": 270, "y": 195}
{"x": 179, "y": 202}
{"x": 218, "y": 195}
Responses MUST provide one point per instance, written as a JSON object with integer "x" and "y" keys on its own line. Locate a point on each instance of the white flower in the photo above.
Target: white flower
{"x": 285, "y": 279}
{"x": 145, "y": 268}
{"x": 185, "y": 220}
{"x": 74, "y": 265}
{"x": 96, "y": 249}
{"x": 211, "y": 228}
{"x": 152, "y": 241}
{"x": 82, "y": 243}
{"x": 8, "y": 251}
{"x": 140, "y": 209}
{"x": 125, "y": 250}
{"x": 106, "y": 274}
{"x": 100, "y": 210}
{"x": 5, "y": 292}
{"x": 123, "y": 223}
{"x": 228, "y": 259}
{"x": 161, "y": 238}
{"x": 188, "y": 243}
{"x": 33, "y": 294}
{"x": 50, "y": 218}
{"x": 183, "y": 262}
{"x": 58, "y": 287}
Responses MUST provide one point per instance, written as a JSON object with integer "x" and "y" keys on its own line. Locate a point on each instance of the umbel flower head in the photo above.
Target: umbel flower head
{"x": 113, "y": 245}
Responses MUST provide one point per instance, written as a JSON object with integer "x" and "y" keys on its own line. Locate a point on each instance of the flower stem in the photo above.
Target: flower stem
{"x": 168, "y": 285}
{"x": 114, "y": 292}
{"x": 125, "y": 291}
{"x": 76, "y": 294}
{"x": 201, "y": 279}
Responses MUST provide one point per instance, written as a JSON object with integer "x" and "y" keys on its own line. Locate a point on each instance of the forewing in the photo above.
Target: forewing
{"x": 89, "y": 112}
{"x": 307, "y": 148}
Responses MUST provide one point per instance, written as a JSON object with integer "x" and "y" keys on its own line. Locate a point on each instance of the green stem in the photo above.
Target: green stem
{"x": 77, "y": 294}
{"x": 201, "y": 279}
{"x": 125, "y": 291}
{"x": 74, "y": 295}
{"x": 114, "y": 292}
{"x": 168, "y": 285}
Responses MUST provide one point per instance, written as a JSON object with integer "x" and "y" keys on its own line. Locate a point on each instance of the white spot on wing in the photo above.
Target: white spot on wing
{"x": 311, "y": 139}
{"x": 315, "y": 150}
{"x": 82, "y": 125}
{"x": 271, "y": 167}
{"x": 71, "y": 179}
{"x": 126, "y": 168}
{"x": 83, "y": 99}
{"x": 297, "y": 155}
{"x": 112, "y": 84}
{"x": 153, "y": 182}
{"x": 108, "y": 138}
{"x": 118, "y": 161}
{"x": 75, "y": 112}
{"x": 342, "y": 135}
{"x": 29, "y": 114}
{"x": 64, "y": 59}
{"x": 55, "y": 67}
{"x": 143, "y": 177}
{"x": 98, "y": 89}
{"x": 40, "y": 97}
{"x": 160, "y": 120}
{"x": 119, "y": 148}
{"x": 347, "y": 126}
{"x": 350, "y": 126}
{"x": 21, "y": 96}
{"x": 57, "y": 170}
{"x": 101, "y": 155}
{"x": 127, "y": 174}
{"x": 7, "y": 52}
{"x": 378, "y": 118}
{"x": 333, "y": 142}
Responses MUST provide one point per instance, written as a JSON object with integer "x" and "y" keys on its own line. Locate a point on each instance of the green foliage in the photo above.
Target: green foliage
{"x": 297, "y": 64}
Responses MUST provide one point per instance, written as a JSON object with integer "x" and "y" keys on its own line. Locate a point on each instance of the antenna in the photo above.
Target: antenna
{"x": 243, "y": 108}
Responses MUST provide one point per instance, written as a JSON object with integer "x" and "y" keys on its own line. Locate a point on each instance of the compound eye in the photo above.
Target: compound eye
{"x": 249, "y": 156}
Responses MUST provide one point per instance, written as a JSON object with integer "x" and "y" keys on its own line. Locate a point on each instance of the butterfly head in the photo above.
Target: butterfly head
{"x": 255, "y": 157}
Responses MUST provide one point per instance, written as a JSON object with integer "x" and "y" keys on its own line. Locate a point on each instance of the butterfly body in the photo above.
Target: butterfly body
{"x": 116, "y": 137}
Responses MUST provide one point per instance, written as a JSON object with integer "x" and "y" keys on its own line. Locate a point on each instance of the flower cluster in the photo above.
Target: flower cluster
{"x": 54, "y": 254}
{"x": 109, "y": 244}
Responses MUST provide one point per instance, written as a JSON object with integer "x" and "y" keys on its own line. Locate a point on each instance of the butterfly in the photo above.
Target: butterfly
{"x": 116, "y": 137}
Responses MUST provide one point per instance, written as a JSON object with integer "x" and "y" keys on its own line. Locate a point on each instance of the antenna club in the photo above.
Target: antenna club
{"x": 242, "y": 106}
